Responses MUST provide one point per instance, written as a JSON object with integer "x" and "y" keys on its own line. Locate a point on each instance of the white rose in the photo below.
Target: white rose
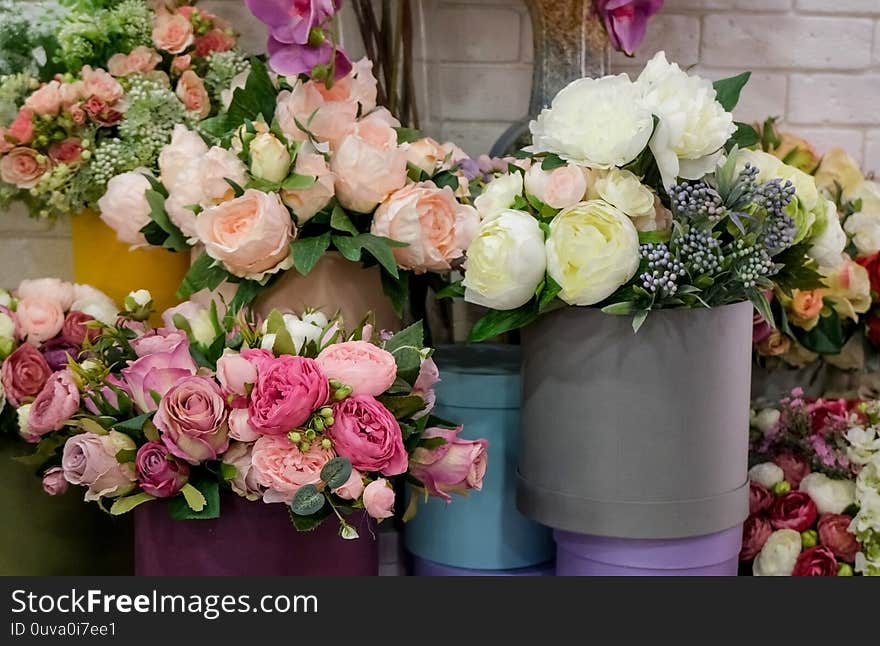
{"x": 864, "y": 229}
{"x": 499, "y": 195}
{"x": 593, "y": 249}
{"x": 830, "y": 496}
{"x": 765, "y": 419}
{"x": 24, "y": 413}
{"x": 599, "y": 123}
{"x": 54, "y": 289}
{"x": 779, "y": 554}
{"x": 270, "y": 159}
{"x": 624, "y": 190}
{"x": 766, "y": 474}
{"x": 693, "y": 126}
{"x": 95, "y": 303}
{"x": 830, "y": 241}
{"x": 302, "y": 332}
{"x": 864, "y": 444}
{"x": 185, "y": 146}
{"x": 869, "y": 476}
{"x": 505, "y": 262}
{"x": 559, "y": 188}
{"x": 124, "y": 207}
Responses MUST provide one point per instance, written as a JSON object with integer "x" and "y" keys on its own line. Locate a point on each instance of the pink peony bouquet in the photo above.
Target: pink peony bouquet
{"x": 814, "y": 498}
{"x": 291, "y": 410}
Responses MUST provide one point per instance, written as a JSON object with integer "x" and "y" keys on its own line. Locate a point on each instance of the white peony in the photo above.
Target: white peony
{"x": 830, "y": 240}
{"x": 779, "y": 554}
{"x": 830, "y": 496}
{"x": 765, "y": 419}
{"x": 625, "y": 190}
{"x": 593, "y": 249}
{"x": 864, "y": 229}
{"x": 185, "y": 146}
{"x": 499, "y": 195}
{"x": 53, "y": 289}
{"x": 124, "y": 207}
{"x": 598, "y": 123}
{"x": 505, "y": 262}
{"x": 766, "y": 474}
{"x": 693, "y": 126}
{"x": 864, "y": 443}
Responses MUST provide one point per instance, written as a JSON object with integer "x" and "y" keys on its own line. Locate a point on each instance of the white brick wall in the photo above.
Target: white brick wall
{"x": 816, "y": 64}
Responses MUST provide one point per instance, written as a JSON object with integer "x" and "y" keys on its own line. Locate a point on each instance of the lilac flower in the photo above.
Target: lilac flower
{"x": 626, "y": 21}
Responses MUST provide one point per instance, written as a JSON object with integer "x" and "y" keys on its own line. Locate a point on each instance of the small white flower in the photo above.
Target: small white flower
{"x": 766, "y": 474}
{"x": 302, "y": 332}
{"x": 268, "y": 342}
{"x": 138, "y": 299}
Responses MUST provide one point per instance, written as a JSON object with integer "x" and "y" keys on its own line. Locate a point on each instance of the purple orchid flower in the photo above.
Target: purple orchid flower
{"x": 291, "y": 21}
{"x": 293, "y": 59}
{"x": 626, "y": 21}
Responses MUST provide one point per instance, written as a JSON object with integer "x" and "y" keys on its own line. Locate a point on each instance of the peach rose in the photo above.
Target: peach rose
{"x": 46, "y": 100}
{"x": 98, "y": 83}
{"x": 849, "y": 288}
{"x": 184, "y": 147}
{"x": 435, "y": 226}
{"x": 282, "y": 468}
{"x": 192, "y": 93}
{"x": 804, "y": 308}
{"x": 21, "y": 130}
{"x": 359, "y": 85}
{"x": 72, "y": 93}
{"x": 327, "y": 121}
{"x": 39, "y": 318}
{"x": 306, "y": 202}
{"x": 425, "y": 154}
{"x": 250, "y": 234}
{"x": 181, "y": 63}
{"x": 66, "y": 151}
{"x": 141, "y": 60}
{"x": 368, "y": 164}
{"x": 23, "y": 167}
{"x": 172, "y": 33}
{"x": 5, "y": 144}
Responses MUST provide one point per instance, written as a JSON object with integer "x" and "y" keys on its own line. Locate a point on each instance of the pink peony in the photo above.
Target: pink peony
{"x": 366, "y": 433}
{"x": 453, "y": 467}
{"x": 379, "y": 499}
{"x": 54, "y": 483}
{"x": 23, "y": 374}
{"x": 90, "y": 460}
{"x": 157, "y": 372}
{"x": 367, "y": 368}
{"x": 835, "y": 535}
{"x": 23, "y": 167}
{"x": 39, "y": 319}
{"x": 158, "y": 472}
{"x": 756, "y": 531}
{"x": 282, "y": 468}
{"x": 794, "y": 510}
{"x": 55, "y": 405}
{"x": 192, "y": 418}
{"x": 288, "y": 390}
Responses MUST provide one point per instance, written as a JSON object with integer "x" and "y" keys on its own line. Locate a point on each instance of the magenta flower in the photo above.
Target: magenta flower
{"x": 626, "y": 21}
{"x": 292, "y": 59}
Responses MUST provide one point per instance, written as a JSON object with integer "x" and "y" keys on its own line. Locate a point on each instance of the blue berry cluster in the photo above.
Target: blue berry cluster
{"x": 697, "y": 201}
{"x": 664, "y": 270}
{"x": 700, "y": 251}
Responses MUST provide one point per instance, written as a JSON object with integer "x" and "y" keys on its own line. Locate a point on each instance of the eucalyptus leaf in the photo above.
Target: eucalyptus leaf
{"x": 194, "y": 498}
{"x": 307, "y": 501}
{"x": 336, "y": 472}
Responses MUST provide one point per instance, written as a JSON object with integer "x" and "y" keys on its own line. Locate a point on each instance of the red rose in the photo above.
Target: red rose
{"x": 872, "y": 264}
{"x": 873, "y": 322}
{"x": 215, "y": 40}
{"x": 834, "y": 534}
{"x": 760, "y": 498}
{"x": 24, "y": 373}
{"x": 756, "y": 531}
{"x": 75, "y": 331}
{"x": 793, "y": 467}
{"x": 68, "y": 151}
{"x": 816, "y": 561}
{"x": 794, "y": 510}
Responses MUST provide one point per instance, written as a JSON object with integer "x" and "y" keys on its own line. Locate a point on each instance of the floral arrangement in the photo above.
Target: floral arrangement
{"x": 136, "y": 72}
{"x": 635, "y": 196}
{"x": 292, "y": 410}
{"x": 814, "y": 508}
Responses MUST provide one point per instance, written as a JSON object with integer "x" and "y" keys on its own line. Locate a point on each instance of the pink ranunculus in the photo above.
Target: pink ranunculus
{"x": 245, "y": 482}
{"x": 172, "y": 32}
{"x": 756, "y": 531}
{"x": 353, "y": 487}
{"x": 159, "y": 473}
{"x": 835, "y": 535}
{"x": 282, "y": 468}
{"x": 794, "y": 468}
{"x": 259, "y": 357}
{"x": 54, "y": 483}
{"x": 760, "y": 499}
{"x": 192, "y": 93}
{"x": 75, "y": 331}
{"x": 192, "y": 417}
{"x": 453, "y": 467}
{"x": 626, "y": 21}
{"x": 366, "y": 433}
{"x": 99, "y": 84}
{"x": 161, "y": 340}
{"x": 23, "y": 167}
{"x": 23, "y": 374}
{"x": 240, "y": 426}
{"x": 436, "y": 228}
{"x": 288, "y": 390}
{"x": 794, "y": 510}
{"x": 55, "y": 405}
{"x": 157, "y": 372}
{"x": 68, "y": 151}
{"x": 52, "y": 289}
{"x": 235, "y": 373}
{"x": 216, "y": 40}
{"x": 816, "y": 561}
{"x": 39, "y": 318}
{"x": 90, "y": 460}
{"x": 379, "y": 499}
{"x": 21, "y": 130}
{"x": 367, "y": 368}
{"x": 46, "y": 100}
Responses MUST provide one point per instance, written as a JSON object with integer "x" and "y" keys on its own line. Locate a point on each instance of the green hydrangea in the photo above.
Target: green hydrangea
{"x": 14, "y": 89}
{"x": 90, "y": 36}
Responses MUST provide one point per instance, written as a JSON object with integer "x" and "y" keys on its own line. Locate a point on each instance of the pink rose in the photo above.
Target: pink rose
{"x": 245, "y": 481}
{"x": 23, "y": 374}
{"x": 250, "y": 235}
{"x": 118, "y": 65}
{"x": 235, "y": 373}
{"x": 816, "y": 561}
{"x": 46, "y": 100}
{"x": 353, "y": 487}
{"x": 23, "y": 167}
{"x": 328, "y": 120}
{"x": 68, "y": 151}
{"x": 794, "y": 510}
{"x": 287, "y": 392}
{"x": 835, "y": 535}
{"x": 72, "y": 93}
{"x": 306, "y": 202}
{"x": 40, "y": 319}
{"x": 21, "y": 130}
{"x": 90, "y": 460}
{"x": 192, "y": 418}
{"x": 192, "y": 93}
{"x": 756, "y": 531}
{"x": 366, "y": 433}
{"x": 158, "y": 472}
{"x": 55, "y": 405}
{"x": 161, "y": 340}
{"x": 216, "y": 40}
{"x": 434, "y": 225}
{"x": 794, "y": 468}
{"x": 367, "y": 368}
{"x": 172, "y": 33}
{"x": 5, "y": 144}
{"x": 379, "y": 499}
{"x": 124, "y": 207}
{"x": 54, "y": 483}
{"x": 428, "y": 377}
{"x": 99, "y": 84}
{"x": 240, "y": 426}
{"x": 453, "y": 467}
{"x": 157, "y": 372}
{"x": 368, "y": 164}
{"x": 181, "y": 63}
{"x": 282, "y": 468}
{"x": 143, "y": 60}
{"x": 760, "y": 499}
{"x": 559, "y": 188}
{"x": 52, "y": 289}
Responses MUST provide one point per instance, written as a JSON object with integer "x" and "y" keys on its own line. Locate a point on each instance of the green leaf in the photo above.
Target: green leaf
{"x": 340, "y": 221}
{"x": 407, "y": 135}
{"x": 446, "y": 178}
{"x": 207, "y": 490}
{"x": 406, "y": 348}
{"x": 548, "y": 294}
{"x": 497, "y": 322}
{"x": 228, "y": 471}
{"x": 452, "y": 290}
{"x": 307, "y": 252}
{"x": 348, "y": 247}
{"x": 202, "y": 274}
{"x": 639, "y": 320}
{"x": 193, "y": 497}
{"x": 380, "y": 249}
{"x": 759, "y": 300}
{"x": 247, "y": 291}
{"x": 552, "y": 161}
{"x": 126, "y": 455}
{"x": 432, "y": 443}
{"x": 173, "y": 239}
{"x": 411, "y": 336}
{"x": 397, "y": 290}
{"x": 826, "y": 338}
{"x": 256, "y": 99}
{"x": 237, "y": 190}
{"x": 624, "y": 308}
{"x": 402, "y": 406}
{"x": 307, "y": 501}
{"x": 296, "y": 182}
{"x": 134, "y": 423}
{"x": 336, "y": 472}
{"x": 310, "y": 523}
{"x": 729, "y": 89}
{"x": 127, "y": 503}
{"x": 744, "y": 137}
{"x": 45, "y": 451}
{"x": 654, "y": 237}
{"x": 283, "y": 341}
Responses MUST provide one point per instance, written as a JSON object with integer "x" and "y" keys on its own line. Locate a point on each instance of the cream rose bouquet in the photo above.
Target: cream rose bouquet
{"x": 634, "y": 196}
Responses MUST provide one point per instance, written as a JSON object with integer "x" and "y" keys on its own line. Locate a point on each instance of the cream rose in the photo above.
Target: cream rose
{"x": 434, "y": 225}
{"x": 270, "y": 159}
{"x": 559, "y": 188}
{"x": 172, "y": 32}
{"x": 593, "y": 249}
{"x": 624, "y": 190}
{"x": 250, "y": 234}
{"x": 306, "y": 202}
{"x": 838, "y": 170}
{"x": 499, "y": 195}
{"x": 124, "y": 206}
{"x": 505, "y": 262}
{"x": 192, "y": 93}
{"x": 597, "y": 123}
